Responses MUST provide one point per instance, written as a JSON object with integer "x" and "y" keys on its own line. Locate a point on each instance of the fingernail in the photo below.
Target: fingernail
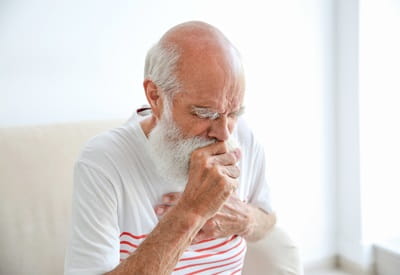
{"x": 159, "y": 211}
{"x": 238, "y": 153}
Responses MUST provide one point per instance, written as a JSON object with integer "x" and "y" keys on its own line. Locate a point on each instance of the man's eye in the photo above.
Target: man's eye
{"x": 197, "y": 114}
{"x": 205, "y": 115}
{"x": 202, "y": 116}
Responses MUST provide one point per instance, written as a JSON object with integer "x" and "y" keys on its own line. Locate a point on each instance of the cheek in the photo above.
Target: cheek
{"x": 199, "y": 128}
{"x": 191, "y": 126}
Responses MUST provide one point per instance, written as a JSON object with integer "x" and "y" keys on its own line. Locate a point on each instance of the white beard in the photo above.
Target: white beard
{"x": 171, "y": 152}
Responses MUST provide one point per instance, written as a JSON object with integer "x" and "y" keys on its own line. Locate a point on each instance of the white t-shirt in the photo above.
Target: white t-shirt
{"x": 116, "y": 188}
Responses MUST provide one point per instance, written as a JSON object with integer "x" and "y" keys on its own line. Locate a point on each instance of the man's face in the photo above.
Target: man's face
{"x": 190, "y": 121}
{"x": 203, "y": 111}
{"x": 209, "y": 102}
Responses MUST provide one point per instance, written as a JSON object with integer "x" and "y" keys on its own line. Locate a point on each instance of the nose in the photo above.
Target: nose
{"x": 219, "y": 129}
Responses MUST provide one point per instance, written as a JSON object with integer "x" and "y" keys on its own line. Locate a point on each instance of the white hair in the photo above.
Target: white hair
{"x": 161, "y": 67}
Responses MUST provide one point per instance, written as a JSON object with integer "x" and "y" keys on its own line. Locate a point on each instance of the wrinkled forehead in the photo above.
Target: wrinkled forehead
{"x": 213, "y": 89}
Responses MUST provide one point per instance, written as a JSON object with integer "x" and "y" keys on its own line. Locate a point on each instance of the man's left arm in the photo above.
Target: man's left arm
{"x": 234, "y": 218}
{"x": 260, "y": 223}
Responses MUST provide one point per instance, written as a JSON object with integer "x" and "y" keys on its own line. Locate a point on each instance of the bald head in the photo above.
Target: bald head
{"x": 194, "y": 77}
{"x": 191, "y": 53}
{"x": 195, "y": 35}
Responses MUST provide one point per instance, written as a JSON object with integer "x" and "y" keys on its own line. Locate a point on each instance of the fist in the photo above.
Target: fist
{"x": 213, "y": 177}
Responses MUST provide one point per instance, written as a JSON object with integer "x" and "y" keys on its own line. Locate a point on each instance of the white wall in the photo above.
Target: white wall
{"x": 83, "y": 60}
{"x": 367, "y": 126}
{"x": 348, "y": 182}
{"x": 293, "y": 115}
{"x": 380, "y": 118}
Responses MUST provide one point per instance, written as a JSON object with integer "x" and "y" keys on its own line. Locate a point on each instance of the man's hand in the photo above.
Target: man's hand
{"x": 212, "y": 179}
{"x": 234, "y": 218}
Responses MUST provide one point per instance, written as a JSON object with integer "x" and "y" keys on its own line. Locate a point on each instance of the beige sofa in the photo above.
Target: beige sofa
{"x": 35, "y": 188}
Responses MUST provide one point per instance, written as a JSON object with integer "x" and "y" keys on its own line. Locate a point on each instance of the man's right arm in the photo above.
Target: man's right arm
{"x": 94, "y": 237}
{"x": 163, "y": 247}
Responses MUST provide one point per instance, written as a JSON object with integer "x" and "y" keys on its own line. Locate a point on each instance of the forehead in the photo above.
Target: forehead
{"x": 219, "y": 101}
{"x": 212, "y": 85}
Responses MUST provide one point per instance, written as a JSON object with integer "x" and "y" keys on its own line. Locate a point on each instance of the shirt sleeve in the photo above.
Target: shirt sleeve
{"x": 254, "y": 187}
{"x": 260, "y": 195}
{"x": 94, "y": 238}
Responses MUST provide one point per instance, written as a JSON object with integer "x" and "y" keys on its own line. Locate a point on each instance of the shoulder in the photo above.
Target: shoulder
{"x": 110, "y": 147}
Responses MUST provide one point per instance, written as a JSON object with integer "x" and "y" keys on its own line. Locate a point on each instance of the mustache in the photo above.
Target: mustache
{"x": 204, "y": 142}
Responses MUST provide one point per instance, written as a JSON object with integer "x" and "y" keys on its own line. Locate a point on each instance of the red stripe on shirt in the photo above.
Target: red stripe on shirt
{"x": 125, "y": 251}
{"x": 132, "y": 236}
{"x": 213, "y": 262}
{"x": 236, "y": 271}
{"x": 213, "y": 267}
{"x": 217, "y": 245}
{"x": 213, "y": 254}
{"x": 130, "y": 244}
{"x": 204, "y": 241}
{"x": 229, "y": 269}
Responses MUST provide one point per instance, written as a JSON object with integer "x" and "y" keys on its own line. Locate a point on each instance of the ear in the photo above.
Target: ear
{"x": 153, "y": 97}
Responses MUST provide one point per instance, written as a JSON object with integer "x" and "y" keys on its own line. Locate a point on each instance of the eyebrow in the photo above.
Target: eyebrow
{"x": 206, "y": 112}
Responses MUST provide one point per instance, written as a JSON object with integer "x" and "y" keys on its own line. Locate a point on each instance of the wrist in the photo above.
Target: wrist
{"x": 187, "y": 218}
{"x": 250, "y": 224}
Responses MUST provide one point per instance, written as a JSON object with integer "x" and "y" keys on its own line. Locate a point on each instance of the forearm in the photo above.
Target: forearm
{"x": 163, "y": 247}
{"x": 260, "y": 223}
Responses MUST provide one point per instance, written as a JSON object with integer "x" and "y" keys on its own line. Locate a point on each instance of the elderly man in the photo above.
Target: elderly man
{"x": 181, "y": 188}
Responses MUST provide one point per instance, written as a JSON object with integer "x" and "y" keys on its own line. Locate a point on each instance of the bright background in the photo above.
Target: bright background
{"x": 318, "y": 95}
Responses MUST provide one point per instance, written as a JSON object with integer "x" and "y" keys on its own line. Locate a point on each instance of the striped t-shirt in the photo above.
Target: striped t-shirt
{"x": 221, "y": 256}
{"x": 116, "y": 189}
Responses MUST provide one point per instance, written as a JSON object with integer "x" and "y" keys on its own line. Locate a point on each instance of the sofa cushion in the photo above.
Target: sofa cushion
{"x": 36, "y": 184}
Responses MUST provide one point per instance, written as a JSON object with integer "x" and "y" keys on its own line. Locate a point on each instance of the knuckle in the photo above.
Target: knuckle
{"x": 237, "y": 171}
{"x": 225, "y": 187}
{"x": 203, "y": 161}
{"x": 196, "y": 155}
{"x": 222, "y": 182}
{"x": 170, "y": 198}
{"x": 215, "y": 170}
{"x": 232, "y": 157}
{"x": 207, "y": 163}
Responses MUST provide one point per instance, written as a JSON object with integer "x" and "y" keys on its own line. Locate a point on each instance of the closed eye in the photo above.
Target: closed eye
{"x": 204, "y": 113}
